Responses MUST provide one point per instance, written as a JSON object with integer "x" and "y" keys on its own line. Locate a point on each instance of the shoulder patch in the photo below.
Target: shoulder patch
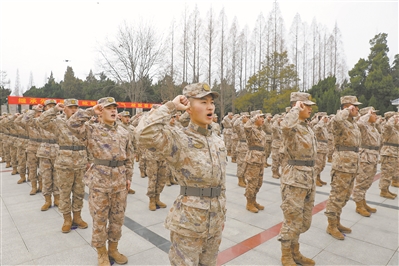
{"x": 198, "y": 145}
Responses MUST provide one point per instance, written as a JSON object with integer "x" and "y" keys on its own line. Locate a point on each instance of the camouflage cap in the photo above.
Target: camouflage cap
{"x": 244, "y": 114}
{"x": 71, "y": 102}
{"x": 124, "y": 113}
{"x": 388, "y": 115}
{"x": 198, "y": 90}
{"x": 350, "y": 99}
{"x": 301, "y": 96}
{"x": 4, "y": 113}
{"x": 230, "y": 113}
{"x": 178, "y": 113}
{"x": 36, "y": 108}
{"x": 49, "y": 101}
{"x": 321, "y": 114}
{"x": 257, "y": 112}
{"x": 107, "y": 101}
{"x": 287, "y": 109}
{"x": 365, "y": 110}
{"x": 268, "y": 115}
{"x": 25, "y": 110}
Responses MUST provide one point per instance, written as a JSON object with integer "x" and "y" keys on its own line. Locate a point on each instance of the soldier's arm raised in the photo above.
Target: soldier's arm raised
{"x": 77, "y": 122}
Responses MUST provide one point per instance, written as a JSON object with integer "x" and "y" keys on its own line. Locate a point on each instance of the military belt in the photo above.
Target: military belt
{"x": 13, "y": 135}
{"x": 23, "y": 137}
{"x": 109, "y": 163}
{"x": 243, "y": 140}
{"x": 73, "y": 148}
{"x": 391, "y": 144}
{"x": 371, "y": 147}
{"x": 301, "y": 163}
{"x": 346, "y": 148}
{"x": 211, "y": 192}
{"x": 268, "y": 133}
{"x": 322, "y": 140}
{"x": 51, "y": 141}
{"x": 256, "y": 148}
{"x": 37, "y": 140}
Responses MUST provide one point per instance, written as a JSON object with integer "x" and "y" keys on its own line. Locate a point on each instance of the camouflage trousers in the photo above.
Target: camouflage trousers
{"x": 234, "y": 143}
{"x": 156, "y": 172}
{"x": 331, "y": 148}
{"x": 276, "y": 159}
{"x": 191, "y": 251}
{"x": 241, "y": 163}
{"x": 284, "y": 160}
{"x": 268, "y": 150}
{"x": 227, "y": 142}
{"x": 108, "y": 213}
{"x": 13, "y": 155}
{"x": 389, "y": 171}
{"x": 6, "y": 151}
{"x": 341, "y": 189}
{"x": 142, "y": 162}
{"x": 320, "y": 163}
{"x": 21, "y": 158}
{"x": 32, "y": 162}
{"x": 49, "y": 176}
{"x": 70, "y": 181}
{"x": 297, "y": 205}
{"x": 363, "y": 180}
{"x": 254, "y": 176}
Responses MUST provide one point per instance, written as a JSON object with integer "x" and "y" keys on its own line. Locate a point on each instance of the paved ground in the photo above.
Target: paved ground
{"x": 32, "y": 237}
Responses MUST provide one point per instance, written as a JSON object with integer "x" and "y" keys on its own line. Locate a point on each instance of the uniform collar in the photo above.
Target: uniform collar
{"x": 114, "y": 127}
{"x": 201, "y": 130}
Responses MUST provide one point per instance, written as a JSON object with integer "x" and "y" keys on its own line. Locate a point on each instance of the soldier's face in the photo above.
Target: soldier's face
{"x": 306, "y": 112}
{"x": 201, "y": 110}
{"x": 125, "y": 119}
{"x": 373, "y": 118}
{"x": 109, "y": 114}
{"x": 70, "y": 110}
{"x": 48, "y": 106}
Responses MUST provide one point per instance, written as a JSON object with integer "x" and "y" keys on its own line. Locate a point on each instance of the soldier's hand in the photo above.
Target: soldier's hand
{"x": 128, "y": 184}
{"x": 98, "y": 108}
{"x": 181, "y": 102}
{"x": 59, "y": 107}
{"x": 39, "y": 106}
{"x": 300, "y": 105}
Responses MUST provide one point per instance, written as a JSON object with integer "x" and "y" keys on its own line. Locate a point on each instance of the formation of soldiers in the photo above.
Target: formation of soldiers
{"x": 55, "y": 149}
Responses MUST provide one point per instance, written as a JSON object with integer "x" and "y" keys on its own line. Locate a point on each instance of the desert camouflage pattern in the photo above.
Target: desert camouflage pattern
{"x": 267, "y": 128}
{"x": 321, "y": 133}
{"x": 227, "y": 132}
{"x": 242, "y": 147}
{"x": 157, "y": 171}
{"x": 70, "y": 181}
{"x": 32, "y": 161}
{"x": 22, "y": 142}
{"x": 276, "y": 145}
{"x": 234, "y": 138}
{"x": 48, "y": 174}
{"x": 12, "y": 138}
{"x": 199, "y": 160}
{"x": 215, "y": 128}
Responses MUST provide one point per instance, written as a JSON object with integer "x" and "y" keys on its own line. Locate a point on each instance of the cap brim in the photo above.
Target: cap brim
{"x": 201, "y": 95}
{"x": 108, "y": 104}
{"x": 309, "y": 102}
{"x": 356, "y": 103}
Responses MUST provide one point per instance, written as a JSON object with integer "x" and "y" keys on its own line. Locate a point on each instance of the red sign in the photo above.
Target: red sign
{"x": 85, "y": 103}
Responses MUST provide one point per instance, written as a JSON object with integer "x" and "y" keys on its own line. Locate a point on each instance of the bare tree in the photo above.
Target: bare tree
{"x": 233, "y": 43}
{"x": 210, "y": 36}
{"x": 17, "y": 86}
{"x": 132, "y": 58}
{"x": 222, "y": 50}
{"x": 31, "y": 82}
{"x": 294, "y": 36}
{"x": 194, "y": 36}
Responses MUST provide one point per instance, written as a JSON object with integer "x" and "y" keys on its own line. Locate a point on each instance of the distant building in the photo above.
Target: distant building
{"x": 396, "y": 102}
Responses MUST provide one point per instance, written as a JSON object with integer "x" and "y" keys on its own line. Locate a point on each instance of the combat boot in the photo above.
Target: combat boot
{"x": 329, "y": 160}
{"x": 173, "y": 181}
{"x": 233, "y": 159}
{"x": 102, "y": 256}
{"x": 131, "y": 191}
{"x": 22, "y": 179}
{"x": 368, "y": 208}
{"x": 168, "y": 183}
{"x": 47, "y": 203}
{"x": 286, "y": 256}
{"x": 34, "y": 188}
{"x": 77, "y": 220}
{"x": 8, "y": 165}
{"x": 275, "y": 174}
{"x": 386, "y": 194}
{"x": 241, "y": 182}
{"x": 298, "y": 257}
{"x": 152, "y": 206}
{"x": 114, "y": 254}
{"x": 158, "y": 202}
{"x": 66, "y": 227}
{"x": 321, "y": 181}
{"x": 251, "y": 205}
{"x": 56, "y": 200}
{"x": 39, "y": 189}
{"x": 14, "y": 170}
{"x": 333, "y": 230}
{"x": 341, "y": 228}
{"x": 395, "y": 183}
{"x": 142, "y": 174}
{"x": 258, "y": 206}
{"x": 360, "y": 209}
{"x": 318, "y": 182}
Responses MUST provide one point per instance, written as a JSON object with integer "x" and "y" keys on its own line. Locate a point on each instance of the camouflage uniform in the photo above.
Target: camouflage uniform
{"x": 345, "y": 166}
{"x": 107, "y": 184}
{"x": 369, "y": 151}
{"x": 389, "y": 154}
{"x": 267, "y": 128}
{"x": 216, "y": 127}
{"x": 23, "y": 140}
{"x": 227, "y": 131}
{"x": 276, "y": 145}
{"x": 131, "y": 129}
{"x": 234, "y": 140}
{"x": 320, "y": 130}
{"x": 242, "y": 149}
{"x": 199, "y": 160}
{"x": 254, "y": 160}
{"x": 6, "y": 146}
{"x": 71, "y": 160}
{"x": 12, "y": 141}
{"x": 330, "y": 139}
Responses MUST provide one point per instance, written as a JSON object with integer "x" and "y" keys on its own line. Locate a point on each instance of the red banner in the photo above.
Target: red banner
{"x": 85, "y": 103}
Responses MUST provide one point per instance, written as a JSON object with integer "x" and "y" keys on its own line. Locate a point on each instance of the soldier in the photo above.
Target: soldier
{"x": 389, "y": 155}
{"x": 47, "y": 153}
{"x": 234, "y": 140}
{"x": 23, "y": 139}
{"x": 215, "y": 125}
{"x": 227, "y": 131}
{"x": 345, "y": 164}
{"x": 125, "y": 119}
{"x": 320, "y": 130}
{"x": 276, "y": 145}
{"x": 70, "y": 163}
{"x": 184, "y": 119}
{"x": 197, "y": 217}
{"x": 12, "y": 141}
{"x": 109, "y": 176}
{"x": 370, "y": 146}
{"x": 330, "y": 143}
{"x": 267, "y": 128}
{"x": 6, "y": 146}
{"x": 254, "y": 159}
{"x": 297, "y": 179}
{"x": 242, "y": 147}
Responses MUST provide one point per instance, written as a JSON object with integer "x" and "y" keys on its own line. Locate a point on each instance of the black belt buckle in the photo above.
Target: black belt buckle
{"x": 356, "y": 149}
{"x": 75, "y": 148}
{"x": 309, "y": 163}
{"x": 215, "y": 191}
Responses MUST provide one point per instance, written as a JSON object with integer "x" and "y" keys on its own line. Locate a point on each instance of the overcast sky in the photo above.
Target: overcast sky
{"x": 38, "y": 36}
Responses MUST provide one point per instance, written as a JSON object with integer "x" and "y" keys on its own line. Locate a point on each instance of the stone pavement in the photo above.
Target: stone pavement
{"x": 32, "y": 237}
